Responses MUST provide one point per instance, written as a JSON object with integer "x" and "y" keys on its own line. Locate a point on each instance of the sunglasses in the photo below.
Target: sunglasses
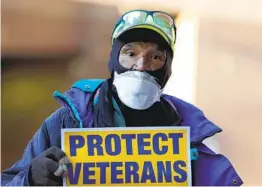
{"x": 155, "y": 20}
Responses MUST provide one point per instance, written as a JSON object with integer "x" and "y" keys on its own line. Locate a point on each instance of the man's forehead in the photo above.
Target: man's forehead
{"x": 144, "y": 45}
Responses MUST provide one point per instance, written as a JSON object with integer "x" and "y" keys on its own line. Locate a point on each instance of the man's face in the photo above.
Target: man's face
{"x": 142, "y": 56}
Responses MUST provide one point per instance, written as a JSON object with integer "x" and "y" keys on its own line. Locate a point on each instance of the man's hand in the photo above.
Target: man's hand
{"x": 45, "y": 166}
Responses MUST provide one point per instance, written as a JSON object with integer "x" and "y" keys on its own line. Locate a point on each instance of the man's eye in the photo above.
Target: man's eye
{"x": 155, "y": 57}
{"x": 130, "y": 53}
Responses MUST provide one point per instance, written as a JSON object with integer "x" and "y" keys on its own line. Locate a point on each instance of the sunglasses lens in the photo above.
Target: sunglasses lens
{"x": 163, "y": 19}
{"x": 135, "y": 17}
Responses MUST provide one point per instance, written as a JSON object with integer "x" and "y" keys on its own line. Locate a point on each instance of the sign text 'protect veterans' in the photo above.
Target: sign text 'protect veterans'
{"x": 127, "y": 156}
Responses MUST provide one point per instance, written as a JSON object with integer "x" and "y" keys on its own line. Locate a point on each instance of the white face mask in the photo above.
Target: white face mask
{"x": 137, "y": 90}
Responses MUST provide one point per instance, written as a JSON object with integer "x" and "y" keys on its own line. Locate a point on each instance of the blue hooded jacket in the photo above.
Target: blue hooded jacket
{"x": 209, "y": 169}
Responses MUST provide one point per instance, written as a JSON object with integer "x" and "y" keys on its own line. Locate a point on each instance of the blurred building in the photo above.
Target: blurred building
{"x": 49, "y": 44}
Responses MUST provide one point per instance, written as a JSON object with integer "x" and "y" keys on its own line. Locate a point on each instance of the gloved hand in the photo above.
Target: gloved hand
{"x": 43, "y": 167}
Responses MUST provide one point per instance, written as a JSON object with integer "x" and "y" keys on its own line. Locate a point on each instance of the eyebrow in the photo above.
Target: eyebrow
{"x": 128, "y": 46}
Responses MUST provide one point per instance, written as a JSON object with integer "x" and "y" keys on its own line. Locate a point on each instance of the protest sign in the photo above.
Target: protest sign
{"x": 148, "y": 156}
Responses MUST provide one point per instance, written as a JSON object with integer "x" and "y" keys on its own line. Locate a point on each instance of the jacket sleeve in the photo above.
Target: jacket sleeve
{"x": 17, "y": 175}
{"x": 211, "y": 169}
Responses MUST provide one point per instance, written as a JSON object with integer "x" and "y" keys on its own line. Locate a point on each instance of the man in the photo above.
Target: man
{"x": 140, "y": 66}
